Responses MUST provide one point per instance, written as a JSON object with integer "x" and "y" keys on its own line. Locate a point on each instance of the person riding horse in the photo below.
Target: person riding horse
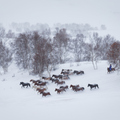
{"x": 110, "y": 69}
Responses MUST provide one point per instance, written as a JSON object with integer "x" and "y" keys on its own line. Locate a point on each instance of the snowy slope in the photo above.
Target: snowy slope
{"x": 18, "y": 103}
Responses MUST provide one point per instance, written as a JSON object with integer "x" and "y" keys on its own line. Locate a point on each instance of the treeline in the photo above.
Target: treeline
{"x": 72, "y": 27}
{"x": 38, "y": 51}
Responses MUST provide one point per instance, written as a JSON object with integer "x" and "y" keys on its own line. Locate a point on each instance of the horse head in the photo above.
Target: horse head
{"x": 31, "y": 80}
{"x": 88, "y": 85}
{"x": 53, "y": 75}
{"x": 21, "y": 83}
{"x": 56, "y": 89}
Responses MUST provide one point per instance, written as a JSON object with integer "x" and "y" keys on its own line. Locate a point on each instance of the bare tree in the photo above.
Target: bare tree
{"x": 5, "y": 57}
{"x": 22, "y": 50}
{"x": 42, "y": 56}
{"x": 61, "y": 41}
{"x": 78, "y": 44}
{"x": 106, "y": 43}
{"x": 93, "y": 49}
{"x": 113, "y": 54}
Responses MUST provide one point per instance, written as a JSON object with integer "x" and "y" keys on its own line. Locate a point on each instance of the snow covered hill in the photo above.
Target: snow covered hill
{"x": 18, "y": 103}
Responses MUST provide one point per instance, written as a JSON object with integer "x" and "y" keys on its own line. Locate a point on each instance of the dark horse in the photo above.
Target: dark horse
{"x": 112, "y": 69}
{"x": 78, "y": 72}
{"x": 25, "y": 84}
{"x": 93, "y": 86}
{"x": 57, "y": 76}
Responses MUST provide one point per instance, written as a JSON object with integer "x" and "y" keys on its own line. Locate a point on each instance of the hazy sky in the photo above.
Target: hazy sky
{"x": 94, "y": 12}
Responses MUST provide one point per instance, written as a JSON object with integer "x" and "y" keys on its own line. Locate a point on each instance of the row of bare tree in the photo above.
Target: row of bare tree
{"x": 37, "y": 52}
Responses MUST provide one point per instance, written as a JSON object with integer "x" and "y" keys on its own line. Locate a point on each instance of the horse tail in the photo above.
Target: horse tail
{"x": 83, "y": 88}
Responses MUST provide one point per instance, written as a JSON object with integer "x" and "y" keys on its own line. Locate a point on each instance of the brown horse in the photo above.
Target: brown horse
{"x": 59, "y": 90}
{"x": 64, "y": 87}
{"x": 45, "y": 93}
{"x": 74, "y": 86}
{"x": 43, "y": 83}
{"x": 79, "y": 89}
{"x": 35, "y": 81}
{"x": 40, "y": 84}
{"x": 112, "y": 70}
{"x": 60, "y": 82}
{"x": 40, "y": 90}
{"x": 37, "y": 84}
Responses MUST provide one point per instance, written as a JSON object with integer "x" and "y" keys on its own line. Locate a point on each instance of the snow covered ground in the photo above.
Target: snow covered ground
{"x": 18, "y": 103}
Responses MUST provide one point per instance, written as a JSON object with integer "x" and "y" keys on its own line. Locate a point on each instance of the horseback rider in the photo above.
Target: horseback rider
{"x": 110, "y": 68}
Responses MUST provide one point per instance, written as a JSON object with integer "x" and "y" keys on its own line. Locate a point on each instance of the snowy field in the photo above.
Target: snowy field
{"x": 18, "y": 103}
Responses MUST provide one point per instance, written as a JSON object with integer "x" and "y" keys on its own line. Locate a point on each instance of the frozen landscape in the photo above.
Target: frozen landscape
{"x": 18, "y": 103}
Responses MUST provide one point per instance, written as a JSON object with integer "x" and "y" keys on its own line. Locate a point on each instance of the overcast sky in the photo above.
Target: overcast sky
{"x": 93, "y": 12}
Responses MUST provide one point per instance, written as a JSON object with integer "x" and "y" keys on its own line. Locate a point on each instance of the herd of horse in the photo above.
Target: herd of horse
{"x": 41, "y": 85}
